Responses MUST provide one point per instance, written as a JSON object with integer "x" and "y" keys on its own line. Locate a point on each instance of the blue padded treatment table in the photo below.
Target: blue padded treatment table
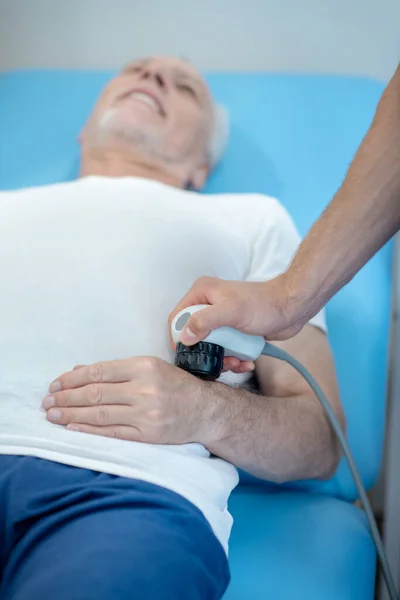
{"x": 293, "y": 137}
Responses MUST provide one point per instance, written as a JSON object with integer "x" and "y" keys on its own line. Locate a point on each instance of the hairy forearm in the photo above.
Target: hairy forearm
{"x": 363, "y": 215}
{"x": 279, "y": 439}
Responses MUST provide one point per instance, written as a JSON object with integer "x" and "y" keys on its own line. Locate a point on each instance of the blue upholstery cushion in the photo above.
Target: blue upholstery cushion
{"x": 298, "y": 546}
{"x": 292, "y": 137}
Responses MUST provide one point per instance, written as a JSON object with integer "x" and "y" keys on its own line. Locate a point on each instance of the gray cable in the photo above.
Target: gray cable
{"x": 271, "y": 350}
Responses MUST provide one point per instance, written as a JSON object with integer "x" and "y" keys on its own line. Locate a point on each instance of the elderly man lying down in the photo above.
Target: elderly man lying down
{"x": 116, "y": 466}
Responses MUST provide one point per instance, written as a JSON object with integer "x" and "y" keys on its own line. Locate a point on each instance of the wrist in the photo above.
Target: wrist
{"x": 301, "y": 295}
{"x": 211, "y": 415}
{"x": 289, "y": 294}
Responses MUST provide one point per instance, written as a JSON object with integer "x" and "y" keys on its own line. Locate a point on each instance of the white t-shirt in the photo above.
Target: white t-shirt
{"x": 89, "y": 272}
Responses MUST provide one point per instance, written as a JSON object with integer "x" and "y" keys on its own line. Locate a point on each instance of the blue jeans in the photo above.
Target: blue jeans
{"x": 74, "y": 534}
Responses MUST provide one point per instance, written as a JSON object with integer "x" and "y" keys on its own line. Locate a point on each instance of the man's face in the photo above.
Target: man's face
{"x": 160, "y": 106}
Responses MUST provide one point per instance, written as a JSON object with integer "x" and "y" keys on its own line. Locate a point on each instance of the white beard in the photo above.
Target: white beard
{"x": 147, "y": 140}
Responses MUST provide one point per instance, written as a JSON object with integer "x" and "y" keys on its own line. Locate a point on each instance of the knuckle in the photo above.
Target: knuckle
{"x": 96, "y": 372}
{"x": 64, "y": 399}
{"x": 152, "y": 391}
{"x": 154, "y": 416}
{"x": 94, "y": 393}
{"x": 204, "y": 281}
{"x": 148, "y": 363}
{"x": 102, "y": 416}
{"x": 71, "y": 416}
{"x": 202, "y": 284}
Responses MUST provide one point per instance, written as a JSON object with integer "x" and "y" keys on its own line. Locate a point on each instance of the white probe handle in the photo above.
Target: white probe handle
{"x": 238, "y": 344}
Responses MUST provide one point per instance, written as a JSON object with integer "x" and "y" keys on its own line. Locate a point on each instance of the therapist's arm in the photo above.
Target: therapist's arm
{"x": 362, "y": 216}
{"x": 282, "y": 434}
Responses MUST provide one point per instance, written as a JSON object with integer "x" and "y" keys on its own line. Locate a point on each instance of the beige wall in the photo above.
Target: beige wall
{"x": 347, "y": 36}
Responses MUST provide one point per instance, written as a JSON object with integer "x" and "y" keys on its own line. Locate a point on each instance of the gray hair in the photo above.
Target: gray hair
{"x": 219, "y": 135}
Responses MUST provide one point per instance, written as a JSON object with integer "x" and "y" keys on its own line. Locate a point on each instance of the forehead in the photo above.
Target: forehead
{"x": 176, "y": 66}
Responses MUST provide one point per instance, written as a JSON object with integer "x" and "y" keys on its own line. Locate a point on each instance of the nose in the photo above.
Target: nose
{"x": 155, "y": 74}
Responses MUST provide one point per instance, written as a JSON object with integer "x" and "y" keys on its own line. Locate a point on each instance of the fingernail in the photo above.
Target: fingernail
{"x": 54, "y": 414}
{"x": 48, "y": 402}
{"x": 73, "y": 428}
{"x": 188, "y": 333}
{"x": 55, "y": 386}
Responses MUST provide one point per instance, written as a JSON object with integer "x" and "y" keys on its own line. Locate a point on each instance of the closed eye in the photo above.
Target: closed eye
{"x": 186, "y": 89}
{"x": 133, "y": 69}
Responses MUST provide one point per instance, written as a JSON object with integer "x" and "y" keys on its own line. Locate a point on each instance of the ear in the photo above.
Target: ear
{"x": 199, "y": 177}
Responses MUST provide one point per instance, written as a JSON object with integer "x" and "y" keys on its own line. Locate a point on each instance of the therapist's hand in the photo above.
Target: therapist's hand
{"x": 143, "y": 399}
{"x": 268, "y": 309}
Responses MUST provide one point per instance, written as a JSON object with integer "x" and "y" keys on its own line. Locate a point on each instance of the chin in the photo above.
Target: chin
{"x": 114, "y": 123}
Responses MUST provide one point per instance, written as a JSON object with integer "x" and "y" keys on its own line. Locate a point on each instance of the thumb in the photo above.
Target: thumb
{"x": 203, "y": 322}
